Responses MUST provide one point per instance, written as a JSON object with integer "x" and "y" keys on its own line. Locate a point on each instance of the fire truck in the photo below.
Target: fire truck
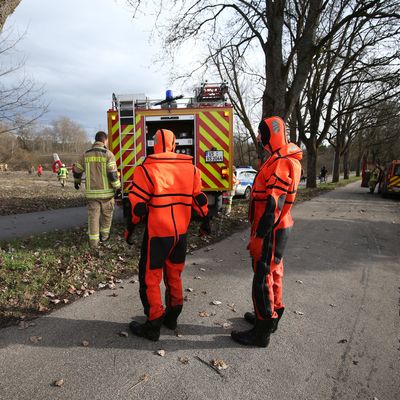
{"x": 202, "y": 124}
{"x": 390, "y": 182}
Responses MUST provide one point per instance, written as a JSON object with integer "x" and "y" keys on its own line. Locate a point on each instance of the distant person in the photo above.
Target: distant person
{"x": 102, "y": 184}
{"x": 374, "y": 178}
{"x": 62, "y": 175}
{"x": 272, "y": 197}
{"x": 323, "y": 174}
{"x": 39, "y": 170}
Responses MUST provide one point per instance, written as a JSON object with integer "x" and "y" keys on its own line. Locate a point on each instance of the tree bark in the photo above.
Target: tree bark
{"x": 346, "y": 171}
{"x": 7, "y": 7}
{"x": 336, "y": 165}
{"x": 312, "y": 158}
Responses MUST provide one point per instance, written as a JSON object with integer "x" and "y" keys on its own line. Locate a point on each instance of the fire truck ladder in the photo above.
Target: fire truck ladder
{"x": 126, "y": 117}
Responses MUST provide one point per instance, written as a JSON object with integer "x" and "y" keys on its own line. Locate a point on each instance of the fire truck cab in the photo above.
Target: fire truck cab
{"x": 202, "y": 124}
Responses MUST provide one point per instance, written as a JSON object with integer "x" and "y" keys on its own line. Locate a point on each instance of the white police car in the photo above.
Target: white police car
{"x": 245, "y": 178}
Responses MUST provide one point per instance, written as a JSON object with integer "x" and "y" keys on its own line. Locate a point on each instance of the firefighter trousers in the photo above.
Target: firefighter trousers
{"x": 161, "y": 257}
{"x": 100, "y": 213}
{"x": 268, "y": 275}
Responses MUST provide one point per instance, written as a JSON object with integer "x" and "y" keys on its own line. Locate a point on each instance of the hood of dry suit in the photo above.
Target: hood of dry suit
{"x": 164, "y": 141}
{"x": 272, "y": 134}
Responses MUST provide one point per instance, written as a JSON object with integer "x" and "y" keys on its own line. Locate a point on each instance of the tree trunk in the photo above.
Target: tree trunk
{"x": 7, "y": 7}
{"x": 346, "y": 171}
{"x": 312, "y": 157}
{"x": 336, "y": 165}
{"x": 293, "y": 128}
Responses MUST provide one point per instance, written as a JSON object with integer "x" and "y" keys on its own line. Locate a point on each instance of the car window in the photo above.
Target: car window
{"x": 396, "y": 170}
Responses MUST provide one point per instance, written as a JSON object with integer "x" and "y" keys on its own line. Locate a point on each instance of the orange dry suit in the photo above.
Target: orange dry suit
{"x": 272, "y": 196}
{"x": 165, "y": 188}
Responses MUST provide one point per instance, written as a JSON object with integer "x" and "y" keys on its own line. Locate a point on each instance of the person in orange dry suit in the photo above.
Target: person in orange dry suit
{"x": 165, "y": 188}
{"x": 272, "y": 196}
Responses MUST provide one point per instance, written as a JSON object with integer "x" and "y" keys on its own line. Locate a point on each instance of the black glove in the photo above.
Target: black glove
{"x": 205, "y": 227}
{"x": 77, "y": 186}
{"x": 118, "y": 194}
{"x": 129, "y": 231}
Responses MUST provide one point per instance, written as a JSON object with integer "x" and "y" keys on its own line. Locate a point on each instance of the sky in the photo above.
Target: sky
{"x": 84, "y": 50}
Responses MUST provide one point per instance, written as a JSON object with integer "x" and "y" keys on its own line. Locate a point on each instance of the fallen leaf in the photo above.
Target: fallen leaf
{"x": 101, "y": 285}
{"x": 178, "y": 334}
{"x": 66, "y": 301}
{"x": 219, "y": 261}
{"x": 25, "y": 324}
{"x": 342, "y": 341}
{"x": 189, "y": 289}
{"x": 203, "y": 314}
{"x": 111, "y": 286}
{"x": 35, "y": 339}
{"x": 49, "y": 294}
{"x": 85, "y": 343}
{"x": 161, "y": 353}
{"x": 299, "y": 281}
{"x": 133, "y": 281}
{"x": 55, "y": 301}
{"x": 71, "y": 289}
{"x": 232, "y": 307}
{"x": 333, "y": 305}
{"x": 202, "y": 269}
{"x": 42, "y": 308}
{"x": 197, "y": 277}
{"x": 123, "y": 334}
{"x": 216, "y": 302}
{"x": 58, "y": 383}
{"x": 298, "y": 312}
{"x": 204, "y": 292}
{"x": 183, "y": 360}
{"x": 219, "y": 364}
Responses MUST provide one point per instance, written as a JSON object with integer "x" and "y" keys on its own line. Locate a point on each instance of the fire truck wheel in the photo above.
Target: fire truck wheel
{"x": 247, "y": 193}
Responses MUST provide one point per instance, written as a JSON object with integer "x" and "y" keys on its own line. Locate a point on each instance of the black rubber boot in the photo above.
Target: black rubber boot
{"x": 250, "y": 317}
{"x": 149, "y": 330}
{"x": 258, "y": 336}
{"x": 171, "y": 317}
{"x": 279, "y": 311}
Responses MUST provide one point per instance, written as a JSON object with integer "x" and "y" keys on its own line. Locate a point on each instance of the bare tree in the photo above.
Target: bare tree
{"x": 21, "y": 100}
{"x": 356, "y": 57}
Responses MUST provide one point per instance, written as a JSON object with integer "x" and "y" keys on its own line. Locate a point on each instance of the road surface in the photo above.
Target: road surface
{"x": 24, "y": 225}
{"x": 339, "y": 337}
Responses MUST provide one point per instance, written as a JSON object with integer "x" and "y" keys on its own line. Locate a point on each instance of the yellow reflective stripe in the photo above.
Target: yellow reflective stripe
{"x": 104, "y": 175}
{"x": 115, "y": 128}
{"x": 213, "y": 142}
{"x": 138, "y": 150}
{"x": 79, "y": 166}
{"x": 220, "y": 119}
{"x": 210, "y": 124}
{"x": 105, "y": 230}
{"x": 127, "y": 129}
{"x": 207, "y": 180}
{"x": 96, "y": 159}
{"x": 87, "y": 180}
{"x": 116, "y": 184}
{"x": 112, "y": 164}
{"x": 94, "y": 237}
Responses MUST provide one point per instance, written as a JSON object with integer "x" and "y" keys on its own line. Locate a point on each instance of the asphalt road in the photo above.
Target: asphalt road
{"x": 24, "y": 225}
{"x": 339, "y": 339}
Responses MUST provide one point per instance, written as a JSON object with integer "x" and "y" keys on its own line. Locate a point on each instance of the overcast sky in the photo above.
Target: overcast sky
{"x": 83, "y": 51}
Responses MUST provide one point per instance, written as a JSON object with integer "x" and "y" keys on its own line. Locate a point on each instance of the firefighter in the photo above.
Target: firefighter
{"x": 272, "y": 196}
{"x": 374, "y": 178}
{"x": 62, "y": 175}
{"x": 102, "y": 184}
{"x": 227, "y": 197}
{"x": 39, "y": 170}
{"x": 165, "y": 188}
